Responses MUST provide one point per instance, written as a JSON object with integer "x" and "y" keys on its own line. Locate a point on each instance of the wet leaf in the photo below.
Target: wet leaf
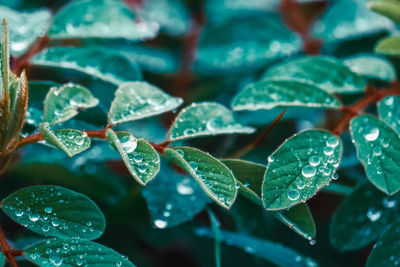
{"x": 55, "y": 211}
{"x": 362, "y": 217}
{"x": 300, "y": 219}
{"x": 142, "y": 161}
{"x": 74, "y": 252}
{"x": 138, "y": 100}
{"x": 204, "y": 119}
{"x": 173, "y": 198}
{"x": 327, "y": 73}
{"x": 388, "y": 46}
{"x": 387, "y": 8}
{"x": 299, "y": 168}
{"x": 371, "y": 67}
{"x": 378, "y": 147}
{"x": 273, "y": 93}
{"x": 64, "y": 102}
{"x": 213, "y": 176}
{"x": 100, "y": 19}
{"x": 93, "y": 61}
{"x": 389, "y": 111}
{"x": 70, "y": 141}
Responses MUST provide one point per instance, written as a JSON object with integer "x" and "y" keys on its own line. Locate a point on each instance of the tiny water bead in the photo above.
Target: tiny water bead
{"x": 371, "y": 133}
{"x": 328, "y": 150}
{"x": 271, "y": 158}
{"x": 308, "y": 171}
{"x": 314, "y": 160}
{"x": 128, "y": 143}
{"x": 374, "y": 214}
{"x": 377, "y": 150}
{"x": 332, "y": 141}
{"x": 293, "y": 194}
{"x": 160, "y": 224}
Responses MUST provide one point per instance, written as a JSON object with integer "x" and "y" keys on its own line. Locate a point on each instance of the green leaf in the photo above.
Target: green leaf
{"x": 93, "y": 61}
{"x": 362, "y": 217}
{"x": 388, "y": 46}
{"x": 371, "y": 67}
{"x": 216, "y": 229}
{"x": 213, "y": 176}
{"x": 389, "y": 111}
{"x": 70, "y": 141}
{"x": 387, "y": 8}
{"x": 272, "y": 93}
{"x": 327, "y": 73}
{"x": 142, "y": 161}
{"x": 267, "y": 250}
{"x": 249, "y": 177}
{"x": 386, "y": 251}
{"x": 74, "y": 252}
{"x": 100, "y": 19}
{"x": 2, "y": 259}
{"x": 203, "y": 119}
{"x": 25, "y": 27}
{"x": 63, "y": 103}
{"x": 138, "y": 100}
{"x": 378, "y": 147}
{"x": 173, "y": 198}
{"x": 244, "y": 44}
{"x": 299, "y": 168}
{"x": 55, "y": 211}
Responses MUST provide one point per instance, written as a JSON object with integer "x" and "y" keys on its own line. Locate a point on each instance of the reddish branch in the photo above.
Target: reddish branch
{"x": 8, "y": 252}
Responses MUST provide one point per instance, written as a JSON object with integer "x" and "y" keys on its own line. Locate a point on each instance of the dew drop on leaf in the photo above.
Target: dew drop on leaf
{"x": 308, "y": 171}
{"x": 371, "y": 133}
{"x": 293, "y": 194}
{"x": 374, "y": 214}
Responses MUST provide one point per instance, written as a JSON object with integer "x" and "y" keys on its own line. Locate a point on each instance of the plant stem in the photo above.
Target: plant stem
{"x": 9, "y": 253}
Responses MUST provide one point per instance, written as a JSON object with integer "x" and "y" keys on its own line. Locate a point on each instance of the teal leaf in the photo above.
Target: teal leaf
{"x": 204, "y": 119}
{"x": 138, "y": 100}
{"x": 300, "y": 219}
{"x": 2, "y": 259}
{"x": 70, "y": 141}
{"x": 63, "y": 103}
{"x": 142, "y": 161}
{"x": 272, "y": 93}
{"x": 371, "y": 67}
{"x": 55, "y": 211}
{"x": 387, "y": 8}
{"x": 93, "y": 61}
{"x": 362, "y": 217}
{"x": 389, "y": 111}
{"x": 244, "y": 44}
{"x": 74, "y": 252}
{"x": 389, "y": 46}
{"x": 25, "y": 27}
{"x": 386, "y": 251}
{"x": 378, "y": 147}
{"x": 212, "y": 175}
{"x": 327, "y": 73}
{"x": 300, "y": 167}
{"x": 267, "y": 250}
{"x": 173, "y": 198}
{"x": 100, "y": 19}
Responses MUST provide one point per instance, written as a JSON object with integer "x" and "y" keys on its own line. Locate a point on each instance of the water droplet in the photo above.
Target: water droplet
{"x": 142, "y": 168}
{"x": 335, "y": 176}
{"x": 308, "y": 171}
{"x": 160, "y": 224}
{"x": 19, "y": 213}
{"x": 184, "y": 189}
{"x": 128, "y": 143}
{"x": 373, "y": 214}
{"x": 371, "y": 133}
{"x": 293, "y": 194}
{"x": 48, "y": 209}
{"x": 314, "y": 160}
{"x": 271, "y": 158}
{"x": 300, "y": 184}
{"x": 34, "y": 217}
{"x": 389, "y": 203}
{"x": 377, "y": 150}
{"x": 328, "y": 150}
{"x": 138, "y": 158}
{"x": 332, "y": 141}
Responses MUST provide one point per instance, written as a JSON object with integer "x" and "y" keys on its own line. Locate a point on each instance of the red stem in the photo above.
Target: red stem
{"x": 8, "y": 252}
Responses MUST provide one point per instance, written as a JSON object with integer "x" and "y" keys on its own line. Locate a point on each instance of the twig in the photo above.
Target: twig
{"x": 8, "y": 252}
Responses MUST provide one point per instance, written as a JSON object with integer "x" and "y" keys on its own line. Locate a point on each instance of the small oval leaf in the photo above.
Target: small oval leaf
{"x": 63, "y": 103}
{"x": 378, "y": 147}
{"x": 70, "y": 141}
{"x": 142, "y": 161}
{"x": 203, "y": 119}
{"x": 327, "y": 73}
{"x": 389, "y": 111}
{"x": 55, "y": 211}
{"x": 74, "y": 252}
{"x": 299, "y": 168}
{"x": 138, "y": 100}
{"x": 388, "y": 46}
{"x": 213, "y": 176}
{"x": 272, "y": 93}
{"x": 387, "y": 8}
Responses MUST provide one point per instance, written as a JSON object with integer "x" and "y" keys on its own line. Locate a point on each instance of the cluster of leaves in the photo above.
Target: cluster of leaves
{"x": 103, "y": 45}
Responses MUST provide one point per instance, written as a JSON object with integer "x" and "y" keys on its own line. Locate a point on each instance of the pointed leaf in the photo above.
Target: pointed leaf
{"x": 173, "y": 198}
{"x": 93, "y": 61}
{"x": 142, "y": 161}
{"x": 371, "y": 67}
{"x": 55, "y": 211}
{"x": 362, "y": 217}
{"x": 378, "y": 147}
{"x": 63, "y": 103}
{"x": 300, "y": 219}
{"x": 386, "y": 251}
{"x": 203, "y": 119}
{"x": 70, "y": 141}
{"x": 389, "y": 111}
{"x": 74, "y": 252}
{"x": 213, "y": 176}
{"x": 327, "y": 73}
{"x": 388, "y": 46}
{"x": 273, "y": 93}
{"x": 100, "y": 19}
{"x": 299, "y": 168}
{"x": 387, "y": 8}
{"x": 137, "y": 100}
